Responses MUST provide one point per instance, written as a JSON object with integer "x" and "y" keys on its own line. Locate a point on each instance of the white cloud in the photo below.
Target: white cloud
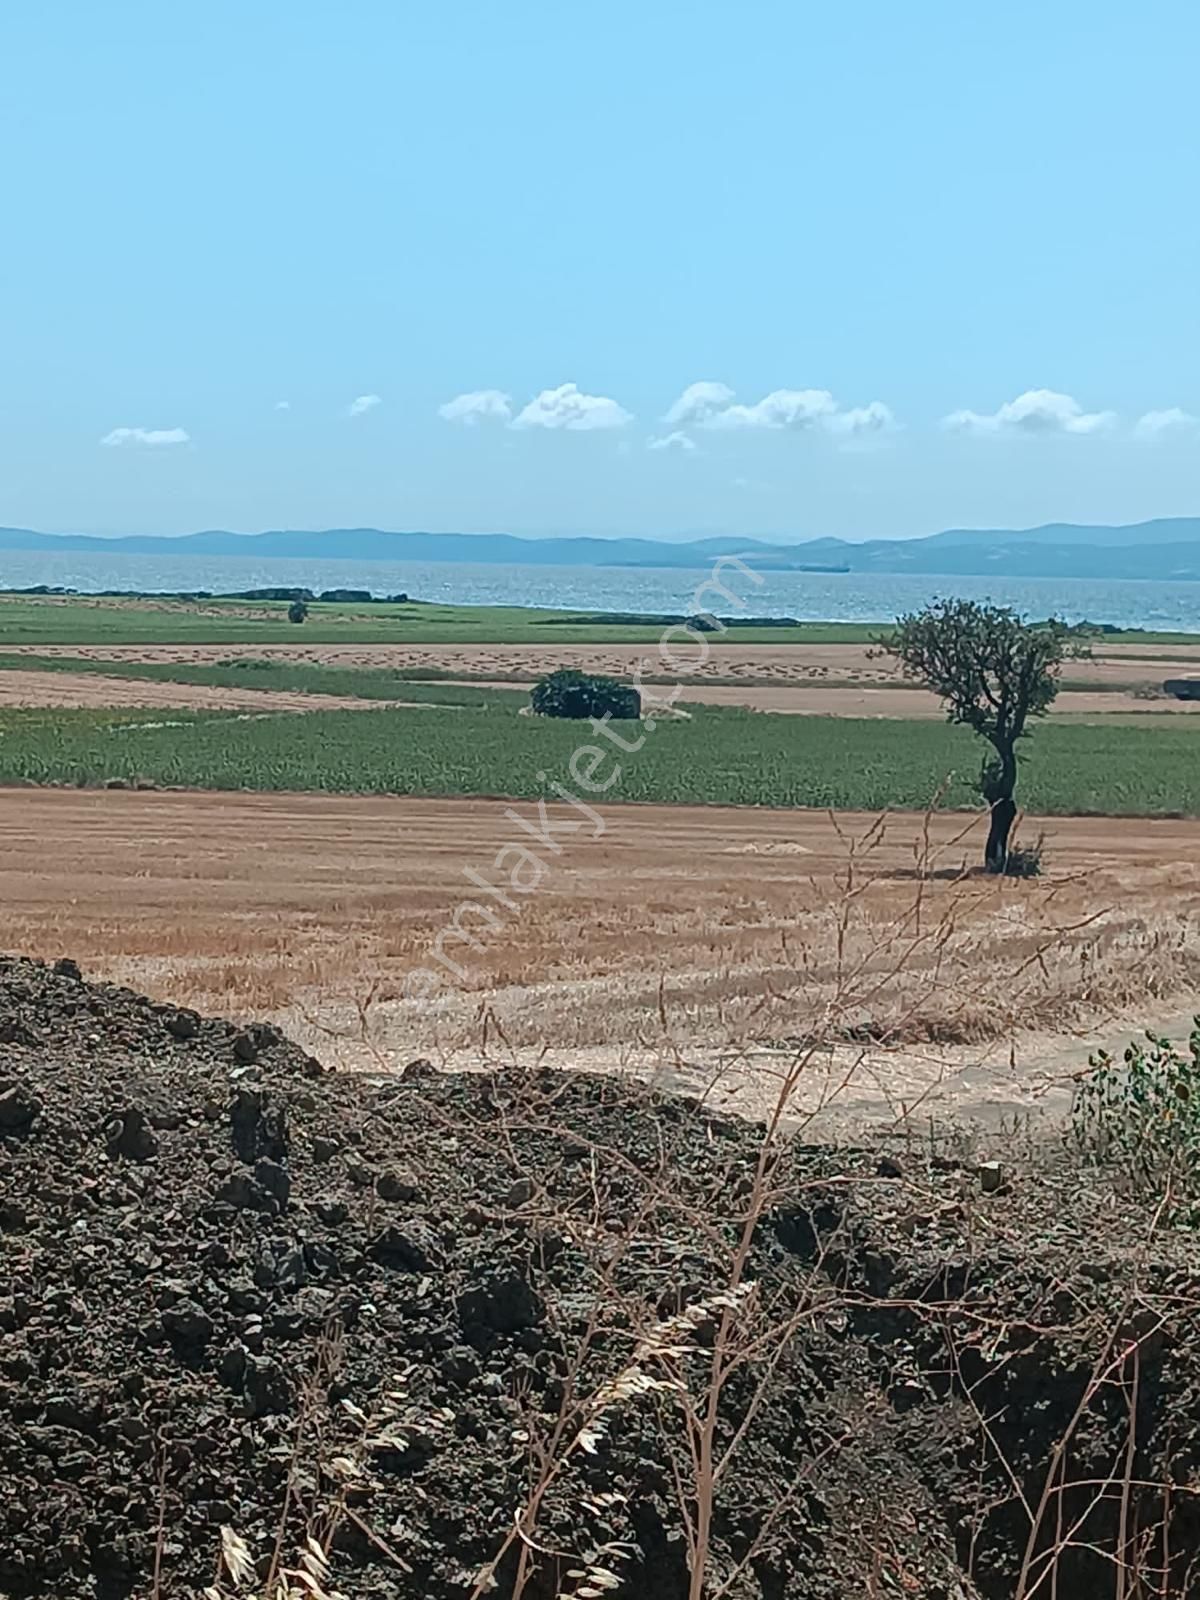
{"x": 782, "y": 408}
{"x": 711, "y": 405}
{"x": 698, "y": 402}
{"x": 283, "y": 405}
{"x": 149, "y": 436}
{"x": 365, "y": 402}
{"x": 671, "y": 441}
{"x": 476, "y": 406}
{"x": 1156, "y": 424}
{"x": 1035, "y": 411}
{"x": 566, "y": 407}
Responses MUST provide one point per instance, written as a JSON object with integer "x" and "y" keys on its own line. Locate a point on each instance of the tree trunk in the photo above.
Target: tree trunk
{"x": 1004, "y": 811}
{"x": 996, "y": 853}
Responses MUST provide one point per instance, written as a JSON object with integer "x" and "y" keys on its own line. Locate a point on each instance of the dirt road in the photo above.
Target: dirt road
{"x": 691, "y": 942}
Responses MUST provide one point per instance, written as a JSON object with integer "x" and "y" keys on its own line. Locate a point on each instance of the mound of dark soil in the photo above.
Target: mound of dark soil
{"x": 462, "y": 1331}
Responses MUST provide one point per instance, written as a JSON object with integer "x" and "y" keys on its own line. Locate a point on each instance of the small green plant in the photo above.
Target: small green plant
{"x": 298, "y": 611}
{"x": 1141, "y": 1115}
{"x": 568, "y": 693}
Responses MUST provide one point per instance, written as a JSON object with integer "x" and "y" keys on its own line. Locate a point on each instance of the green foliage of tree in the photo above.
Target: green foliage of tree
{"x": 568, "y": 693}
{"x": 995, "y": 673}
{"x": 298, "y": 611}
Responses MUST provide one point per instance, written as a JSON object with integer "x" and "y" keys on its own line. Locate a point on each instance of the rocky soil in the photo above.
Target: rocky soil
{"x": 461, "y": 1332}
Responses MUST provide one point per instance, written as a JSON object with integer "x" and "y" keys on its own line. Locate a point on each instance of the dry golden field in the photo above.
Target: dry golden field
{"x": 692, "y": 942}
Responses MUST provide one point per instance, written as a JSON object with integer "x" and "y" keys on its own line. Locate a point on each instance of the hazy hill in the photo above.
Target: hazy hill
{"x": 1168, "y": 548}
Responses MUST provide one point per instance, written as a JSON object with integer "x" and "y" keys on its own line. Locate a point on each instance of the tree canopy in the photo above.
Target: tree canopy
{"x": 993, "y": 670}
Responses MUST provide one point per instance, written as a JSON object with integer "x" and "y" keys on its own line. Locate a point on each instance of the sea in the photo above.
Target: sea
{"x": 808, "y": 596}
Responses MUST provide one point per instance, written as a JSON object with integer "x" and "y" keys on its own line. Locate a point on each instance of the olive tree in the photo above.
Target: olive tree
{"x": 994, "y": 672}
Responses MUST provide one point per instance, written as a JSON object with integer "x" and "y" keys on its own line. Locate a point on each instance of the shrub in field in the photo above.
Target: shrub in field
{"x": 298, "y": 611}
{"x": 567, "y": 693}
{"x": 1141, "y": 1116}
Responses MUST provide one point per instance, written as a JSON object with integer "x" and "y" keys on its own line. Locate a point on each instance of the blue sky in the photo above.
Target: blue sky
{"x": 225, "y": 224}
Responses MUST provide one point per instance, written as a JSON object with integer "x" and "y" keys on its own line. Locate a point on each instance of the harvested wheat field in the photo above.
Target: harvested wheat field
{"x": 702, "y": 946}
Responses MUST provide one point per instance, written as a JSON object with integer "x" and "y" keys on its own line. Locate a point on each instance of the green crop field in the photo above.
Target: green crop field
{"x": 720, "y": 756}
{"x": 83, "y": 620}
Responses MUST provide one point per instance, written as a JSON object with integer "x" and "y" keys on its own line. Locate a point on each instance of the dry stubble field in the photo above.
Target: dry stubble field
{"x": 705, "y": 945}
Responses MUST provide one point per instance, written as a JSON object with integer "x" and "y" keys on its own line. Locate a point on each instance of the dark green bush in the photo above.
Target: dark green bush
{"x": 298, "y": 611}
{"x": 568, "y": 693}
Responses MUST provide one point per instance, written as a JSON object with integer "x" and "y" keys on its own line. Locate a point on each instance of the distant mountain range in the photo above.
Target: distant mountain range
{"x": 1166, "y": 549}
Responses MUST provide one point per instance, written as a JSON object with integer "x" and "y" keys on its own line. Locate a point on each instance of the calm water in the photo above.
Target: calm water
{"x": 841, "y": 597}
